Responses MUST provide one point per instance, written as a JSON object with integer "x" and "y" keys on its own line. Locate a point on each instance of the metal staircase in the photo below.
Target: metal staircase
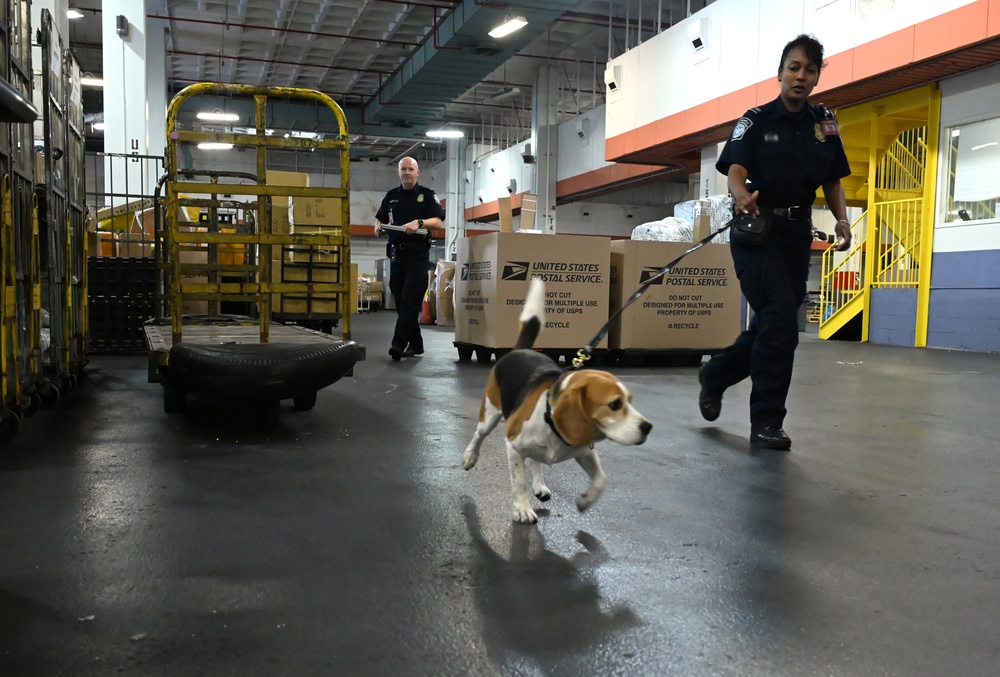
{"x": 892, "y": 149}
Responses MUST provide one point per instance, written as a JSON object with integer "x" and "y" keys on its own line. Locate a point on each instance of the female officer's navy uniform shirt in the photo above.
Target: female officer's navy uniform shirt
{"x": 787, "y": 155}
{"x": 401, "y": 206}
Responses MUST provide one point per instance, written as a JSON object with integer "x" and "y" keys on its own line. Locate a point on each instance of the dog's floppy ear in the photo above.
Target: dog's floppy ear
{"x": 572, "y": 420}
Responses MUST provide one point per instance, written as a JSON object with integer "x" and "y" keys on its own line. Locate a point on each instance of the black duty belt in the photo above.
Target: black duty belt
{"x": 790, "y": 213}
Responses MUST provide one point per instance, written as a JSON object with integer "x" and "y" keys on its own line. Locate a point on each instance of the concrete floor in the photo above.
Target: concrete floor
{"x": 349, "y": 541}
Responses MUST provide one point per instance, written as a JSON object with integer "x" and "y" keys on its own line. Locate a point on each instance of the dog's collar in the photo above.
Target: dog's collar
{"x": 548, "y": 413}
{"x": 552, "y": 424}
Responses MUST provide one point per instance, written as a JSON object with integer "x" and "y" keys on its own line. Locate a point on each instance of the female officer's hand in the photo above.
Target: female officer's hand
{"x": 747, "y": 203}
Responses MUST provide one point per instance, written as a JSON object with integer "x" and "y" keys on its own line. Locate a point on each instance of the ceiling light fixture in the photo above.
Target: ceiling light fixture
{"x": 214, "y": 145}
{"x": 445, "y": 133}
{"x": 218, "y": 116}
{"x": 90, "y": 80}
{"x": 509, "y": 25}
{"x": 74, "y": 14}
{"x": 98, "y": 126}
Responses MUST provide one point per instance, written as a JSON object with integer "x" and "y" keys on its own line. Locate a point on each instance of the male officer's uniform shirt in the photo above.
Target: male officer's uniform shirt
{"x": 401, "y": 206}
{"x": 787, "y": 155}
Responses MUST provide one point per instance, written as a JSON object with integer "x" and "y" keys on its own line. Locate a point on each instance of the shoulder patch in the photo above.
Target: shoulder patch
{"x": 742, "y": 126}
{"x": 830, "y": 128}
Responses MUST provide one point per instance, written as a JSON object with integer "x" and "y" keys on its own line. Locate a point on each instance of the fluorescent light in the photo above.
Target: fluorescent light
{"x": 218, "y": 116}
{"x": 509, "y": 25}
{"x": 214, "y": 145}
{"x": 505, "y": 93}
{"x": 74, "y": 14}
{"x": 98, "y": 126}
{"x": 445, "y": 133}
{"x": 90, "y": 81}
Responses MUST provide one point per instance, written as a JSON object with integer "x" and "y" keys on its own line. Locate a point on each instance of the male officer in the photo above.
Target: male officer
{"x": 410, "y": 207}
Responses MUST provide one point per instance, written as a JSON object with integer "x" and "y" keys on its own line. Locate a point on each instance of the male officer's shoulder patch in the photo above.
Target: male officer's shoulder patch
{"x": 743, "y": 125}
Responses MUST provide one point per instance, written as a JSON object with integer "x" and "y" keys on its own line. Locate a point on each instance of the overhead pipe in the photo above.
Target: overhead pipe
{"x": 275, "y": 61}
{"x": 297, "y": 31}
{"x": 434, "y": 28}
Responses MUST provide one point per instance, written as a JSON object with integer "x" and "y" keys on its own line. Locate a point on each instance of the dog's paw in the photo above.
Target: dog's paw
{"x": 586, "y": 499}
{"x": 523, "y": 514}
{"x": 469, "y": 458}
{"x": 543, "y": 493}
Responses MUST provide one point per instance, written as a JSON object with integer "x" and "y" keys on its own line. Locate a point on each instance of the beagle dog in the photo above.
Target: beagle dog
{"x": 551, "y": 415}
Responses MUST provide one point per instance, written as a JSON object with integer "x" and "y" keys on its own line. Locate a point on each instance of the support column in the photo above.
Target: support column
{"x": 712, "y": 182}
{"x": 134, "y": 97}
{"x": 545, "y": 141}
{"x": 454, "y": 216}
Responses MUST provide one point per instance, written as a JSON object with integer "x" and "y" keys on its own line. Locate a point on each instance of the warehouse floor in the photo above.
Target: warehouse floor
{"x": 349, "y": 541}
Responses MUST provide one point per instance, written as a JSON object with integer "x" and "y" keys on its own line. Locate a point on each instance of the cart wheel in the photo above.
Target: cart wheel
{"x": 49, "y": 395}
{"x": 268, "y": 414}
{"x": 173, "y": 398}
{"x": 464, "y": 354}
{"x": 72, "y": 381}
{"x": 304, "y": 402}
{"x": 34, "y": 403}
{"x": 10, "y": 424}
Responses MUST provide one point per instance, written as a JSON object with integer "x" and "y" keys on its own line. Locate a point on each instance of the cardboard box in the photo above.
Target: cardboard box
{"x": 445, "y": 293}
{"x": 276, "y": 178}
{"x": 702, "y": 225}
{"x": 694, "y": 307}
{"x": 491, "y": 281}
{"x": 280, "y": 225}
{"x": 316, "y": 211}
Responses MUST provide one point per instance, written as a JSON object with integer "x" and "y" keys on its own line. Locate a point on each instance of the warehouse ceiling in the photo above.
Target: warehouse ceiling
{"x": 398, "y": 68}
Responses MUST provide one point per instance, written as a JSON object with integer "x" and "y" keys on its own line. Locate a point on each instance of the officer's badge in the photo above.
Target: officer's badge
{"x": 820, "y": 136}
{"x": 741, "y": 128}
{"x": 420, "y": 198}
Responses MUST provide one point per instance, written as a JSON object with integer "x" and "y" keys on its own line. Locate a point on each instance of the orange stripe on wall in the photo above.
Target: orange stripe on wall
{"x": 953, "y": 30}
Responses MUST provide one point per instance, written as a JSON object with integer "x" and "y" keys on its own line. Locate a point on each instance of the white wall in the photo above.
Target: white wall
{"x": 664, "y": 76}
{"x": 966, "y": 98}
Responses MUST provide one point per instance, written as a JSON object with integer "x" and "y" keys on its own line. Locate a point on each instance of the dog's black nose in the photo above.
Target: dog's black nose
{"x": 645, "y": 427}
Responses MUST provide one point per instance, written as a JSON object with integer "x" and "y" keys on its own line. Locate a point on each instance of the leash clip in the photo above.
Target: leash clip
{"x": 581, "y": 357}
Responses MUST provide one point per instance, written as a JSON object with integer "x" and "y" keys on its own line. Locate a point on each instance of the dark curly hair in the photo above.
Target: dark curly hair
{"x": 810, "y": 45}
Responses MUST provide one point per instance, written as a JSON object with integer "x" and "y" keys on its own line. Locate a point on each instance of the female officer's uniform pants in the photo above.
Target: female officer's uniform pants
{"x": 773, "y": 278}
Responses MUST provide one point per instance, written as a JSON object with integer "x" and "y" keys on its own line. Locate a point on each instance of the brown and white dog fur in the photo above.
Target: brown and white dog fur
{"x": 551, "y": 415}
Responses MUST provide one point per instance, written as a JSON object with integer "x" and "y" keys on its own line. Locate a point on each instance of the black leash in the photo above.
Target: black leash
{"x": 585, "y": 353}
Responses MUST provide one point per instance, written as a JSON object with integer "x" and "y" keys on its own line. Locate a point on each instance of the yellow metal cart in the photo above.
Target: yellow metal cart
{"x": 228, "y": 256}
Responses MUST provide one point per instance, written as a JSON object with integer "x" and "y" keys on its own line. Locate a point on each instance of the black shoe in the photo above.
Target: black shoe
{"x": 770, "y": 437}
{"x": 709, "y": 401}
{"x": 395, "y": 352}
{"x": 411, "y": 352}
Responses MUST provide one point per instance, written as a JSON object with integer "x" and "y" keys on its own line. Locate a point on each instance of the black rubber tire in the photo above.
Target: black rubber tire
{"x": 10, "y": 425}
{"x": 173, "y": 398}
{"x": 305, "y": 401}
{"x": 34, "y": 403}
{"x": 268, "y": 415}
{"x": 260, "y": 372}
{"x": 49, "y": 395}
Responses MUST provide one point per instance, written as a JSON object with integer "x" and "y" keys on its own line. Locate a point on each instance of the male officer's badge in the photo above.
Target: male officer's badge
{"x": 741, "y": 128}
{"x": 820, "y": 136}
{"x": 420, "y": 198}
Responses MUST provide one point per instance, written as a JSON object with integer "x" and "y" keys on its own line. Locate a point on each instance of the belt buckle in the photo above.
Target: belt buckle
{"x": 796, "y": 213}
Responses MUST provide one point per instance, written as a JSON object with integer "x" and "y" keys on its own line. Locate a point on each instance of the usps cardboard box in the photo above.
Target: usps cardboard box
{"x": 696, "y": 306}
{"x": 491, "y": 280}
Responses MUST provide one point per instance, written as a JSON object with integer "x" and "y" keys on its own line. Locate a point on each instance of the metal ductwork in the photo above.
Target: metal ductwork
{"x": 458, "y": 54}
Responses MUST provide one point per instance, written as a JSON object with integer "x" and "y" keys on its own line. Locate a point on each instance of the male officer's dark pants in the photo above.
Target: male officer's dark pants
{"x": 773, "y": 278}
{"x": 408, "y": 283}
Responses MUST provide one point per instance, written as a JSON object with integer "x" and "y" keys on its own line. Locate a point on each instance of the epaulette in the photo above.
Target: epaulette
{"x": 825, "y": 113}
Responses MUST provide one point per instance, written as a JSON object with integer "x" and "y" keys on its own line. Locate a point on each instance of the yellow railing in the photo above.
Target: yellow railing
{"x": 897, "y": 236}
{"x": 843, "y": 273}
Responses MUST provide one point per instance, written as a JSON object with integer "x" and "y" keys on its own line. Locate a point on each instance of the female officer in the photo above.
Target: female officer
{"x": 776, "y": 158}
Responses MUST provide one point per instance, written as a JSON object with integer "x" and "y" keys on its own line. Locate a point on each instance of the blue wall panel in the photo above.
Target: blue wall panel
{"x": 965, "y": 301}
{"x": 894, "y": 317}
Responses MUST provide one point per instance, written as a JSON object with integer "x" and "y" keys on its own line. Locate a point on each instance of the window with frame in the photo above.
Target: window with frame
{"x": 974, "y": 172}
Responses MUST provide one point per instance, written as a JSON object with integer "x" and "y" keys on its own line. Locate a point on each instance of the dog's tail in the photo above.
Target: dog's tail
{"x": 533, "y": 316}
